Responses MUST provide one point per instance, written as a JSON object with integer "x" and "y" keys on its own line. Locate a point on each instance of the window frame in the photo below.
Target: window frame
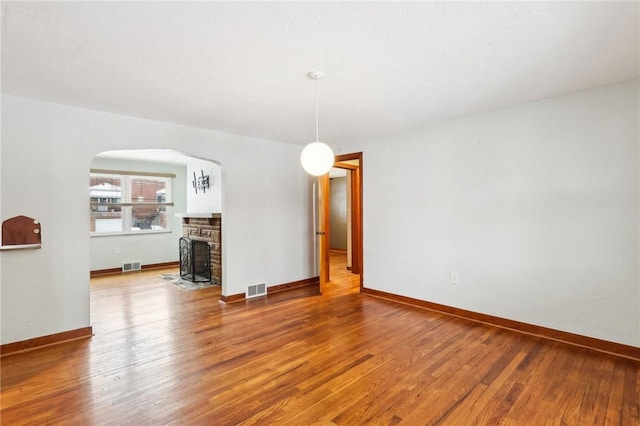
{"x": 126, "y": 204}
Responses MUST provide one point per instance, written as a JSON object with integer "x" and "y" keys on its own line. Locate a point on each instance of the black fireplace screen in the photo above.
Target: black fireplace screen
{"x": 195, "y": 260}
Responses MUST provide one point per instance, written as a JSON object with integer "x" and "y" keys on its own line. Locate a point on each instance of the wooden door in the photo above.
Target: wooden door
{"x": 322, "y": 231}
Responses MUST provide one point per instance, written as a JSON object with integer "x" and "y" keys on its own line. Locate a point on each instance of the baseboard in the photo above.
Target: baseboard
{"x": 161, "y": 265}
{"x": 593, "y": 343}
{"x": 51, "y": 339}
{"x": 114, "y": 271}
{"x": 233, "y": 298}
{"x": 294, "y": 284}
{"x": 101, "y": 272}
{"x": 274, "y": 289}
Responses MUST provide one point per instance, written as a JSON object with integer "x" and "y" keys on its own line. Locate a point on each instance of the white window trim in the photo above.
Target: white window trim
{"x": 126, "y": 207}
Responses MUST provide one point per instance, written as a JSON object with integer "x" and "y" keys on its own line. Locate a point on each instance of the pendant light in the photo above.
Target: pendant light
{"x": 317, "y": 158}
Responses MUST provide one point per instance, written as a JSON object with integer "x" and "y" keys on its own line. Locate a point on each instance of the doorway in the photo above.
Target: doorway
{"x": 351, "y": 164}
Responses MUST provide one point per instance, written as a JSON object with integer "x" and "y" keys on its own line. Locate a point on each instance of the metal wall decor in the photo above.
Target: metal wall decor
{"x": 200, "y": 182}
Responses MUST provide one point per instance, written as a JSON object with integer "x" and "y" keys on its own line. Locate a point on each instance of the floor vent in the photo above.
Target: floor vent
{"x": 256, "y": 290}
{"x": 131, "y": 266}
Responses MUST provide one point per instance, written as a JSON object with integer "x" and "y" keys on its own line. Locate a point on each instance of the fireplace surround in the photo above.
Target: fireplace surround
{"x": 207, "y": 228}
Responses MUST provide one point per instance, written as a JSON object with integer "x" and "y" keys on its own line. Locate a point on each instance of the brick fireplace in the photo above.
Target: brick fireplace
{"x": 208, "y": 228}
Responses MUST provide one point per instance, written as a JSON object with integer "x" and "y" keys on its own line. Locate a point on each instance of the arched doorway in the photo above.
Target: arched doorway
{"x": 137, "y": 208}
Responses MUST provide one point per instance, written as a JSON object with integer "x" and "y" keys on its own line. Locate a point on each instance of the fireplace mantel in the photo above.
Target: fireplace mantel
{"x": 199, "y": 215}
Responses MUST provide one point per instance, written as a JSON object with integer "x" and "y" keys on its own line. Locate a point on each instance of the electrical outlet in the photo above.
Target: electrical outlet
{"x": 454, "y": 278}
{"x": 116, "y": 250}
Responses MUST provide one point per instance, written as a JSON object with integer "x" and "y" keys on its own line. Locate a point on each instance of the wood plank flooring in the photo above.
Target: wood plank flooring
{"x": 162, "y": 355}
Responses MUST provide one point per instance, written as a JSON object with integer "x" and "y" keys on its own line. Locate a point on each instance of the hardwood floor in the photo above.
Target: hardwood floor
{"x": 161, "y": 355}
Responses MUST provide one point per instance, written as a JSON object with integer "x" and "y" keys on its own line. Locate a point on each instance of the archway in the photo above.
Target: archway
{"x": 143, "y": 228}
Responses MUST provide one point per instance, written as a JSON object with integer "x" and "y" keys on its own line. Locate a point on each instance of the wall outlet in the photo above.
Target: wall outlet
{"x": 454, "y": 278}
{"x": 116, "y": 250}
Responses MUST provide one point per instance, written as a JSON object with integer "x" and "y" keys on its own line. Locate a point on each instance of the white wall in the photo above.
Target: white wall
{"x": 146, "y": 248}
{"x": 47, "y": 151}
{"x": 535, "y": 207}
{"x": 209, "y": 200}
{"x": 338, "y": 213}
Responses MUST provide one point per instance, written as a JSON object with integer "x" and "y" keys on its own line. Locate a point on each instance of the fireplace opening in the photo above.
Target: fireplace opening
{"x": 209, "y": 230}
{"x": 195, "y": 260}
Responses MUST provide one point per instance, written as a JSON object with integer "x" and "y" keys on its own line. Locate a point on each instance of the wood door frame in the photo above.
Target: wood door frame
{"x": 357, "y": 266}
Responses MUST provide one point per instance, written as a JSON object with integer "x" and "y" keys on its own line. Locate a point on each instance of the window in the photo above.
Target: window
{"x": 129, "y": 202}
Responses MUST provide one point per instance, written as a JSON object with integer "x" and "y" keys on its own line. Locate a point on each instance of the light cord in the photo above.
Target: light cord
{"x": 317, "y": 140}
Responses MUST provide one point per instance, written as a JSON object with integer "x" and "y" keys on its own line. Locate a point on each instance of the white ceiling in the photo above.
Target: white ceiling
{"x": 241, "y": 67}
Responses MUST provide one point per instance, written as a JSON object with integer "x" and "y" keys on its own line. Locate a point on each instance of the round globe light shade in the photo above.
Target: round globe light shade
{"x": 317, "y": 158}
